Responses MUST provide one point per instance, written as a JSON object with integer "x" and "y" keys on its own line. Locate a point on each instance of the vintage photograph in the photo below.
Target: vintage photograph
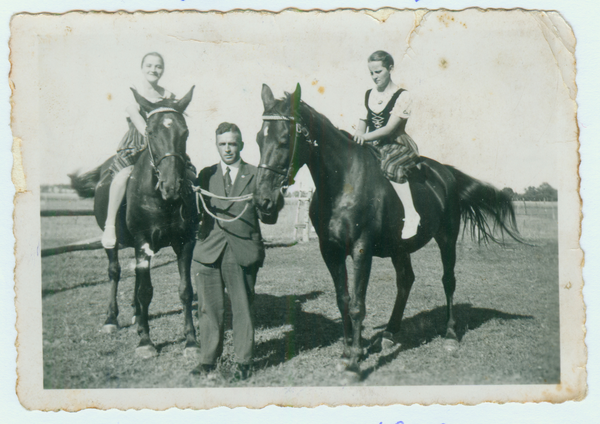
{"x": 361, "y": 207}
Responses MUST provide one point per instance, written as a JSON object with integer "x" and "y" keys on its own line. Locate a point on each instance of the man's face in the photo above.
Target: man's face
{"x": 229, "y": 145}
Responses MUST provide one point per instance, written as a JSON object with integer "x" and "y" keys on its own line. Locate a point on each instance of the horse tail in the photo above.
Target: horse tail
{"x": 481, "y": 203}
{"x": 85, "y": 184}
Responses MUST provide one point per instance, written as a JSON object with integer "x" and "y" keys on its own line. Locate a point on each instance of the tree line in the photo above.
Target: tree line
{"x": 544, "y": 192}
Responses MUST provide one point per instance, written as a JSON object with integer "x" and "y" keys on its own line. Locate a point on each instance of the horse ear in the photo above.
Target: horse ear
{"x": 183, "y": 103}
{"x": 298, "y": 92}
{"x": 142, "y": 101}
{"x": 296, "y": 97}
{"x": 267, "y": 97}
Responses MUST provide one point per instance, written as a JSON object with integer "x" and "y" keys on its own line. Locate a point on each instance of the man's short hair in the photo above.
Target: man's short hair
{"x": 226, "y": 127}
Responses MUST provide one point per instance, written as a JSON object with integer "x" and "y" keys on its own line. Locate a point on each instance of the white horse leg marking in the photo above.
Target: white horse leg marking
{"x": 147, "y": 250}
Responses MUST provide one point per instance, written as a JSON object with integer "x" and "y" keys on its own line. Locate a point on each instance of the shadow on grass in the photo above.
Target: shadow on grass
{"x": 50, "y": 292}
{"x": 422, "y": 328}
{"x": 308, "y": 330}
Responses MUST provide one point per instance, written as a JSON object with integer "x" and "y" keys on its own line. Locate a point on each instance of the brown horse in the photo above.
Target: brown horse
{"x": 159, "y": 210}
{"x": 355, "y": 210}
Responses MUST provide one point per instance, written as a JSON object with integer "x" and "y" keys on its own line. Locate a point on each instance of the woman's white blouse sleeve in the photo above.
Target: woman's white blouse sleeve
{"x": 403, "y": 106}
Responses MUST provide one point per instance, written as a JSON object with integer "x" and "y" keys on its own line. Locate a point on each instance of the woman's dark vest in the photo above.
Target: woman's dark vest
{"x": 380, "y": 120}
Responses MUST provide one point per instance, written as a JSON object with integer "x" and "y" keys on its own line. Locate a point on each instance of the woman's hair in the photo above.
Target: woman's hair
{"x": 385, "y": 58}
{"x": 153, "y": 54}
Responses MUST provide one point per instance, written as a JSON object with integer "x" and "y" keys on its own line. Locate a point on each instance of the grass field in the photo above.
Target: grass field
{"x": 506, "y": 309}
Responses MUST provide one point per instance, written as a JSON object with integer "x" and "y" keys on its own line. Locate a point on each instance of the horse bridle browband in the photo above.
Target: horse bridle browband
{"x": 300, "y": 129}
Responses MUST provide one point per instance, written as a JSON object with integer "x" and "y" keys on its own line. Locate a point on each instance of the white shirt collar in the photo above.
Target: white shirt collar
{"x": 234, "y": 168}
{"x": 235, "y": 165}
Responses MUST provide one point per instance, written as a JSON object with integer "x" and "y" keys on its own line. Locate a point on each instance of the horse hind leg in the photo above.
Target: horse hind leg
{"x": 448, "y": 253}
{"x": 111, "y": 324}
{"x": 405, "y": 277}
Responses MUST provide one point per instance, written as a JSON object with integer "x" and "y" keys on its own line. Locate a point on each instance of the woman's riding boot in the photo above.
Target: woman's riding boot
{"x": 412, "y": 218}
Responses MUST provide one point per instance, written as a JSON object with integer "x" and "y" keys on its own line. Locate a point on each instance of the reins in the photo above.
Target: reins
{"x": 200, "y": 192}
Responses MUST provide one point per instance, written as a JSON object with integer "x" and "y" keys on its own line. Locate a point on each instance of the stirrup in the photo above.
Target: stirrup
{"x": 109, "y": 237}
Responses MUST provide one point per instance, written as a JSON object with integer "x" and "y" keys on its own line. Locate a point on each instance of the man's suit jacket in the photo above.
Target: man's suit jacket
{"x": 243, "y": 235}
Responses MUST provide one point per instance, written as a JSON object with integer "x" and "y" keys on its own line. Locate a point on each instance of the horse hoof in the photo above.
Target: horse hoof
{"x": 451, "y": 345}
{"x": 387, "y": 341}
{"x": 146, "y": 352}
{"x": 191, "y": 352}
{"x": 109, "y": 328}
{"x": 347, "y": 365}
{"x": 342, "y": 365}
{"x": 350, "y": 377}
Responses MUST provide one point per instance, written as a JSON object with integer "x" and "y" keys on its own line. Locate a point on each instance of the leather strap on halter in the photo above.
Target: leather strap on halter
{"x": 160, "y": 110}
{"x": 300, "y": 129}
{"x": 277, "y": 118}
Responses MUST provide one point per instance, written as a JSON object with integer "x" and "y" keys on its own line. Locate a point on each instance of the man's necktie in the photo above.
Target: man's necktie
{"x": 227, "y": 179}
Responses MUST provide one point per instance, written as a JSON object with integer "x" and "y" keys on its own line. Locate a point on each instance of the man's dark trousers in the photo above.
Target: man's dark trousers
{"x": 239, "y": 282}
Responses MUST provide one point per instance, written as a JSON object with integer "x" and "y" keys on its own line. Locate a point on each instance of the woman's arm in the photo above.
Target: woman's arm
{"x": 360, "y": 130}
{"x": 134, "y": 114}
{"x": 393, "y": 123}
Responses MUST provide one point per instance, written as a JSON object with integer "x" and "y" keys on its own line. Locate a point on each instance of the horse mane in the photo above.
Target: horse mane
{"x": 319, "y": 122}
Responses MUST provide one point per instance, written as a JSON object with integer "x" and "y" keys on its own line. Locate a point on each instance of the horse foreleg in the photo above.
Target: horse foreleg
{"x": 137, "y": 307}
{"x": 336, "y": 264}
{"x": 143, "y": 295}
{"x": 186, "y": 293}
{"x": 405, "y": 277}
{"x": 114, "y": 274}
{"x": 448, "y": 253}
{"x": 362, "y": 259}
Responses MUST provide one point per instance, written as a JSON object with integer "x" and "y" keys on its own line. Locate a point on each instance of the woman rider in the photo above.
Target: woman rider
{"x": 134, "y": 141}
{"x": 388, "y": 110}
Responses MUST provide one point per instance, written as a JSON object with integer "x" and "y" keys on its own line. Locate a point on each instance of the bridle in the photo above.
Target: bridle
{"x": 153, "y": 161}
{"x": 300, "y": 129}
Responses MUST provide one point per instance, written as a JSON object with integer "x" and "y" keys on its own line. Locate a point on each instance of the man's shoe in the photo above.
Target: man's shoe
{"x": 242, "y": 372}
{"x": 203, "y": 369}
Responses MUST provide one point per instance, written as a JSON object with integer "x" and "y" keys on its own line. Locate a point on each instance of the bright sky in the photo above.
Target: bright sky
{"x": 488, "y": 90}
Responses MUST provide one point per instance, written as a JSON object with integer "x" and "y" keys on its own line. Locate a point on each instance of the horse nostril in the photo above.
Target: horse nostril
{"x": 265, "y": 204}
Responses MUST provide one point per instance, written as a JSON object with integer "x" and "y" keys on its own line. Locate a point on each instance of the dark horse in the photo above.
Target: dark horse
{"x": 159, "y": 210}
{"x": 356, "y": 211}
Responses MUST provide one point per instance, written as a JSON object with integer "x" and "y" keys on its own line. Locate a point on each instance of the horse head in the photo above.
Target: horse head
{"x": 282, "y": 153}
{"x": 167, "y": 135}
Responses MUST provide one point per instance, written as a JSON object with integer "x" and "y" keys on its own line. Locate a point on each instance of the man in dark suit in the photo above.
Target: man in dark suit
{"x": 227, "y": 255}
